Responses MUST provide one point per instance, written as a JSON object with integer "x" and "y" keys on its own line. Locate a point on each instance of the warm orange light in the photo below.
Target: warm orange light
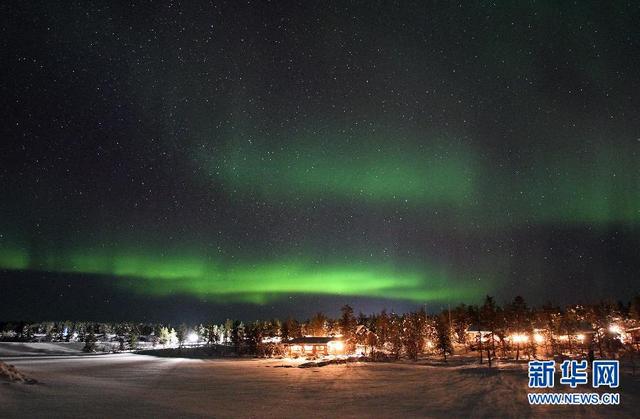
{"x": 520, "y": 338}
{"x": 614, "y": 328}
{"x": 336, "y": 345}
{"x": 538, "y": 338}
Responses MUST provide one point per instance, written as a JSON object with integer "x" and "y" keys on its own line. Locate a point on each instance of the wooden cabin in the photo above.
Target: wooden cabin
{"x": 314, "y": 346}
{"x": 633, "y": 335}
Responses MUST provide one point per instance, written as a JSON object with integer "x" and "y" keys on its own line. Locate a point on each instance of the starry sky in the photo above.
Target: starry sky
{"x": 167, "y": 160}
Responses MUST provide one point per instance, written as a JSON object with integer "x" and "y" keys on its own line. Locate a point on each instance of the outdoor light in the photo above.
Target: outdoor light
{"x": 617, "y": 330}
{"x": 336, "y": 345}
{"x": 580, "y": 337}
{"x": 520, "y": 338}
{"x": 192, "y": 337}
{"x": 538, "y": 338}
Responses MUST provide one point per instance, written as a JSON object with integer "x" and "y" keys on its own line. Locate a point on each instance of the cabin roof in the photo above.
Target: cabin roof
{"x": 476, "y": 328}
{"x": 311, "y": 340}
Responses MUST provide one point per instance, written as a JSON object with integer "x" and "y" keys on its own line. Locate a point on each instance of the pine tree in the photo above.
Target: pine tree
{"x": 133, "y": 340}
{"x": 237, "y": 336}
{"x": 317, "y": 326}
{"x": 518, "y": 320}
{"x": 382, "y": 326}
{"x": 181, "y": 334}
{"x": 285, "y": 330}
{"x": 395, "y": 335}
{"x": 254, "y": 334}
{"x": 461, "y": 322}
{"x": 173, "y": 336}
{"x": 549, "y": 317}
{"x": 413, "y": 334}
{"x": 348, "y": 326}
{"x": 212, "y": 334}
{"x": 89, "y": 342}
{"x": 443, "y": 334}
{"x": 488, "y": 320}
{"x": 164, "y": 337}
{"x": 476, "y": 317}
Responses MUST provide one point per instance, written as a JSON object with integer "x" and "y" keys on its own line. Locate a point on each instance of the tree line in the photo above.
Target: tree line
{"x": 513, "y": 330}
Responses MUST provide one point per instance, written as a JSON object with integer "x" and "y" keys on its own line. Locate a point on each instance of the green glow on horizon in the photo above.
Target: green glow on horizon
{"x": 136, "y": 263}
{"x": 163, "y": 275}
{"x": 262, "y": 281}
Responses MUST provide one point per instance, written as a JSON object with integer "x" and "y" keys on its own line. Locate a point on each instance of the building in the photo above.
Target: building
{"x": 633, "y": 335}
{"x": 314, "y": 346}
{"x": 363, "y": 339}
{"x": 475, "y": 333}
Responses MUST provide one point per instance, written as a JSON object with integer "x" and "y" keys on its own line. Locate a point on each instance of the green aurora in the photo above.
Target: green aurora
{"x": 161, "y": 275}
{"x": 598, "y": 186}
{"x": 371, "y": 169}
{"x": 259, "y": 152}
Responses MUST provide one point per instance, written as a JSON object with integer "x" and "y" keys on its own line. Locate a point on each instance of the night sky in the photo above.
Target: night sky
{"x": 255, "y": 159}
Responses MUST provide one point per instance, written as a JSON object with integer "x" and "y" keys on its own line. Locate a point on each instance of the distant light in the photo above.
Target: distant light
{"x": 614, "y": 328}
{"x": 580, "y": 337}
{"x": 538, "y": 338}
{"x": 336, "y": 345}
{"x": 617, "y": 330}
{"x": 520, "y": 338}
{"x": 192, "y": 337}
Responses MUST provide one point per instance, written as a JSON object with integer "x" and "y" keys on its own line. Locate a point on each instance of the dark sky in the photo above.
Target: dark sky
{"x": 163, "y": 160}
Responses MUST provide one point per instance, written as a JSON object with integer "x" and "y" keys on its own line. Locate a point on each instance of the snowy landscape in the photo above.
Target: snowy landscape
{"x": 299, "y": 209}
{"x": 74, "y": 384}
{"x": 466, "y": 362}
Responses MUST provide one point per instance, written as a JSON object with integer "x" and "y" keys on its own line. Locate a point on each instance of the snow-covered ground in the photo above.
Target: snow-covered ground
{"x": 10, "y": 373}
{"x": 130, "y": 385}
{"x": 40, "y": 348}
{"x": 14, "y": 349}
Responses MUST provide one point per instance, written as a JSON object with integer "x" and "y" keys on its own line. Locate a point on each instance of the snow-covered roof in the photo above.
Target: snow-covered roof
{"x": 311, "y": 340}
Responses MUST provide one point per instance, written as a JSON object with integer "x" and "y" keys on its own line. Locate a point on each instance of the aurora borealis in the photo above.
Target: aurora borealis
{"x": 599, "y": 185}
{"x": 251, "y": 282}
{"x": 365, "y": 166}
{"x": 287, "y": 158}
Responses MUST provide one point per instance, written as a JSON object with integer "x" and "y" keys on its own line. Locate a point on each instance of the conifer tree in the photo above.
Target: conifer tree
{"x": 443, "y": 334}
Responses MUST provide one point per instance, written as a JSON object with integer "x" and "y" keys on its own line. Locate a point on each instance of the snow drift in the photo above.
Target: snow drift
{"x": 11, "y": 374}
